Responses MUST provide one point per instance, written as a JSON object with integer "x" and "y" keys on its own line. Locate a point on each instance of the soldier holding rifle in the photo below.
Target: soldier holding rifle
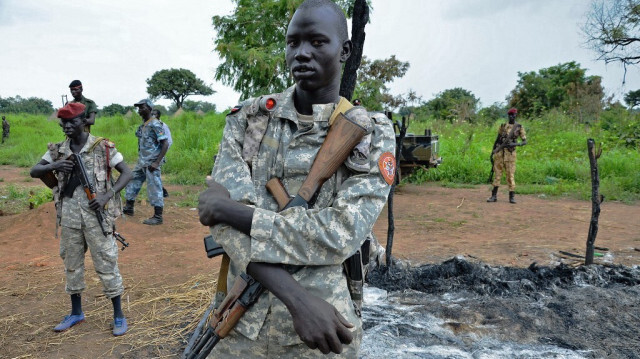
{"x": 311, "y": 311}
{"x": 79, "y": 216}
{"x": 504, "y": 155}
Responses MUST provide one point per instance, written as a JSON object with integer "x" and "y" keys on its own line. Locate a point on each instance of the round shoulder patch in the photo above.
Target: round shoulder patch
{"x": 387, "y": 165}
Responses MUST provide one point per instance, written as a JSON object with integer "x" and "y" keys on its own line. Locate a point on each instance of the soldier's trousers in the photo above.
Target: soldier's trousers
{"x": 266, "y": 346}
{"x": 154, "y": 185}
{"x": 104, "y": 252}
{"x": 509, "y": 168}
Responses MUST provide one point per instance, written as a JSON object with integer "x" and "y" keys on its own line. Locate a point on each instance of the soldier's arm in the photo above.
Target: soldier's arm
{"x": 43, "y": 167}
{"x": 91, "y": 119}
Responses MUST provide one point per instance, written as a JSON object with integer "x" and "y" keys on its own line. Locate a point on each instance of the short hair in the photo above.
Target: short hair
{"x": 343, "y": 31}
{"x": 75, "y": 83}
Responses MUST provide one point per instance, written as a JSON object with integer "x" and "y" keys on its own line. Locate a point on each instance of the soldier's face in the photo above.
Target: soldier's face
{"x": 144, "y": 111}
{"x": 315, "y": 52}
{"x": 72, "y": 127}
{"x": 76, "y": 92}
{"x": 512, "y": 117}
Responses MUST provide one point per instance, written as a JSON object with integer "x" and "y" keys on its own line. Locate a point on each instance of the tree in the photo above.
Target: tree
{"x": 114, "y": 109}
{"x": 612, "y": 30}
{"x": 251, "y": 44}
{"x": 632, "y": 98}
{"x": 453, "y": 105}
{"x": 199, "y": 106}
{"x": 374, "y": 76}
{"x": 360, "y": 18}
{"x": 176, "y": 85}
{"x": 565, "y": 87}
{"x": 33, "y": 105}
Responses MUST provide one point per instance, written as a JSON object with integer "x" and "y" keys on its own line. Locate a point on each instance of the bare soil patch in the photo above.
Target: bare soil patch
{"x": 169, "y": 280}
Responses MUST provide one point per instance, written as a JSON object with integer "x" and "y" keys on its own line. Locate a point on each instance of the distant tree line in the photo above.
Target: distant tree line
{"x": 33, "y": 105}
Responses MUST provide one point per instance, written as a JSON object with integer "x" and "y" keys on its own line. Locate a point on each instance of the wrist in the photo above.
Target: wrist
{"x": 113, "y": 192}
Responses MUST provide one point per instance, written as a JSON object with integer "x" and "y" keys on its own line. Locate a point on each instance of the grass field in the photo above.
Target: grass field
{"x": 554, "y": 163}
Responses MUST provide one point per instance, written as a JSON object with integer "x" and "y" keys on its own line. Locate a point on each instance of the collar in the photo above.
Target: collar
{"x": 287, "y": 108}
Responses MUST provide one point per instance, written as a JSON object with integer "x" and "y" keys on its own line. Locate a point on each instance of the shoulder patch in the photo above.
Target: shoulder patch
{"x": 387, "y": 166}
{"x": 234, "y": 110}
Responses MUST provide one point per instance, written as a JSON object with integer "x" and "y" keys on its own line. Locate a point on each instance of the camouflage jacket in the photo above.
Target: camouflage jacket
{"x": 99, "y": 156}
{"x": 320, "y": 238}
{"x": 149, "y": 136}
{"x": 509, "y": 154}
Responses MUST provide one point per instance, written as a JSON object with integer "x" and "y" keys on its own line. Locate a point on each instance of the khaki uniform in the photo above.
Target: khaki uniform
{"x": 505, "y": 159}
{"x": 319, "y": 239}
{"x": 80, "y": 227}
{"x": 90, "y": 107}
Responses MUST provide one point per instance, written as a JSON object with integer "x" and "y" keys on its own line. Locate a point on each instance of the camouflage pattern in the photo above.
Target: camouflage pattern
{"x": 80, "y": 227}
{"x": 320, "y": 238}
{"x": 505, "y": 159}
{"x": 149, "y": 136}
{"x": 6, "y": 128}
{"x": 154, "y": 185}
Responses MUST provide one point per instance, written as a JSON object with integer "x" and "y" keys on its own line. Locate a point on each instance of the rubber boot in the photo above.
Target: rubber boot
{"x": 128, "y": 208}
{"x": 157, "y": 217}
{"x": 512, "y": 197}
{"x": 494, "y": 195}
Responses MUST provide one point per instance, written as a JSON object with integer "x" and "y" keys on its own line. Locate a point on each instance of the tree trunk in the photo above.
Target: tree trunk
{"x": 391, "y": 221}
{"x": 350, "y": 74}
{"x": 596, "y": 199}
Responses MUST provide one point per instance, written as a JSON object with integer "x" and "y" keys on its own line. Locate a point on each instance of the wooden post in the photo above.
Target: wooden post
{"x": 402, "y": 129}
{"x": 596, "y": 199}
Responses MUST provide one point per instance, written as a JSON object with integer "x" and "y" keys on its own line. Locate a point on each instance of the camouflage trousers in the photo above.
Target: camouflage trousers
{"x": 236, "y": 345}
{"x": 104, "y": 253}
{"x": 509, "y": 168}
{"x": 154, "y": 185}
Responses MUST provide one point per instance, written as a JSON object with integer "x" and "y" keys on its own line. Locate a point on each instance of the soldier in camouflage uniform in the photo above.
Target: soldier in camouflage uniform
{"x": 5, "y": 129}
{"x": 310, "y": 312}
{"x": 77, "y": 214}
{"x": 504, "y": 156}
{"x": 91, "y": 109}
{"x": 152, "y": 146}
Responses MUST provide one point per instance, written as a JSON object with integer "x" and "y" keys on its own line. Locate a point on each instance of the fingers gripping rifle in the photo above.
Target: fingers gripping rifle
{"x": 343, "y": 135}
{"x": 90, "y": 191}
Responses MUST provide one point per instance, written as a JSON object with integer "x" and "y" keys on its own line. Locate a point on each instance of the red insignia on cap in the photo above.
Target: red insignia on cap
{"x": 387, "y": 165}
{"x": 71, "y": 110}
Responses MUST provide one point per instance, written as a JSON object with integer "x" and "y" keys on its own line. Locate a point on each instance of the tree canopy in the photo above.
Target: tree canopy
{"x": 565, "y": 87}
{"x": 453, "y": 105}
{"x": 373, "y": 77}
{"x": 176, "y": 85}
{"x": 32, "y": 105}
{"x": 612, "y": 30}
{"x": 632, "y": 98}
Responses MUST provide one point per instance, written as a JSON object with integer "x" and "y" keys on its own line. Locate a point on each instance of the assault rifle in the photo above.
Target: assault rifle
{"x": 502, "y": 142}
{"x": 90, "y": 191}
{"x": 343, "y": 135}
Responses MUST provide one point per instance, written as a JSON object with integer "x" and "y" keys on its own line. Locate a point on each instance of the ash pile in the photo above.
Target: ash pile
{"x": 464, "y": 309}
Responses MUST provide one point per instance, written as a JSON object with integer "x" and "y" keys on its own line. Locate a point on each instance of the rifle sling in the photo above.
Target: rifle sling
{"x": 221, "y": 288}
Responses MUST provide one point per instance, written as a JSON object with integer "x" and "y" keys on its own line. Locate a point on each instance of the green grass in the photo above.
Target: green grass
{"x": 16, "y": 199}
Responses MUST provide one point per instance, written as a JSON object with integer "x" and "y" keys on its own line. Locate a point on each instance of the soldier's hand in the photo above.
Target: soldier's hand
{"x": 99, "y": 202}
{"x": 65, "y": 166}
{"x": 320, "y": 325}
{"x": 152, "y": 167}
{"x": 211, "y": 201}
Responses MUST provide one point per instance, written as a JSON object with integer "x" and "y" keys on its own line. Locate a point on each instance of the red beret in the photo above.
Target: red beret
{"x": 71, "y": 110}
{"x": 513, "y": 110}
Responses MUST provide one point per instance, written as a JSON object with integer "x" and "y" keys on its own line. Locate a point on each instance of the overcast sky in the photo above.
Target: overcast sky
{"x": 113, "y": 46}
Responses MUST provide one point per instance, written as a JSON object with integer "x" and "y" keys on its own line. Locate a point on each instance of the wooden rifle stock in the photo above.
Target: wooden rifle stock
{"x": 276, "y": 188}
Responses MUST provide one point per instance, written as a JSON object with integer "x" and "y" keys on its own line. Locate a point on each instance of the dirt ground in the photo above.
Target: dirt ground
{"x": 169, "y": 280}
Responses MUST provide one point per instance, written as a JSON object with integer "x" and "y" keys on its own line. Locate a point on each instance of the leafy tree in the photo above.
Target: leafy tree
{"x": 176, "y": 85}
{"x": 565, "y": 87}
{"x": 453, "y": 105}
{"x": 374, "y": 76}
{"x": 612, "y": 30}
{"x": 32, "y": 105}
{"x": 251, "y": 44}
{"x": 197, "y": 106}
{"x": 632, "y": 98}
{"x": 114, "y": 109}
{"x": 488, "y": 115}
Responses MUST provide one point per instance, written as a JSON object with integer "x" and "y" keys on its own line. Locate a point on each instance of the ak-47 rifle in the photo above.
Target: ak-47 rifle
{"x": 343, "y": 135}
{"x": 500, "y": 143}
{"x": 90, "y": 191}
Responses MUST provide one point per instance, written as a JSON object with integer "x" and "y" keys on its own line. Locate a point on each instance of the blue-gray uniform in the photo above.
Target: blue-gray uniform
{"x": 80, "y": 227}
{"x": 149, "y": 136}
{"x": 320, "y": 238}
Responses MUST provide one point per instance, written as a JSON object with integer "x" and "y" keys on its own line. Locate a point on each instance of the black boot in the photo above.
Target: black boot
{"x": 156, "y": 219}
{"x": 494, "y": 195}
{"x": 165, "y": 194}
{"x": 128, "y": 208}
{"x": 512, "y": 197}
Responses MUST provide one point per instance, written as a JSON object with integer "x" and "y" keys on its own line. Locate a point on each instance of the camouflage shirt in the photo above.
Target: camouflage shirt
{"x": 149, "y": 136}
{"x": 75, "y": 211}
{"x": 509, "y": 154}
{"x": 320, "y": 238}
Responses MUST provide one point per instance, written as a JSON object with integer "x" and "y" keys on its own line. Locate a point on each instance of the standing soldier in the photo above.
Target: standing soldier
{"x": 311, "y": 312}
{"x": 90, "y": 107}
{"x": 78, "y": 216}
{"x": 5, "y": 128}
{"x": 152, "y": 146}
{"x": 504, "y": 154}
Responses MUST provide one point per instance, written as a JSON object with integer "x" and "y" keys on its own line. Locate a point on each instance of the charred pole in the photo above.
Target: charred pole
{"x": 402, "y": 130}
{"x": 596, "y": 200}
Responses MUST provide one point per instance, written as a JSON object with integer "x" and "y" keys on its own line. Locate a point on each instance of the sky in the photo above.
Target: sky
{"x": 114, "y": 46}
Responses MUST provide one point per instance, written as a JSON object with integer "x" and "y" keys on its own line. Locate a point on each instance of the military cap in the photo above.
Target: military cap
{"x": 512, "y": 110}
{"x": 75, "y": 83}
{"x": 144, "y": 101}
{"x": 71, "y": 110}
